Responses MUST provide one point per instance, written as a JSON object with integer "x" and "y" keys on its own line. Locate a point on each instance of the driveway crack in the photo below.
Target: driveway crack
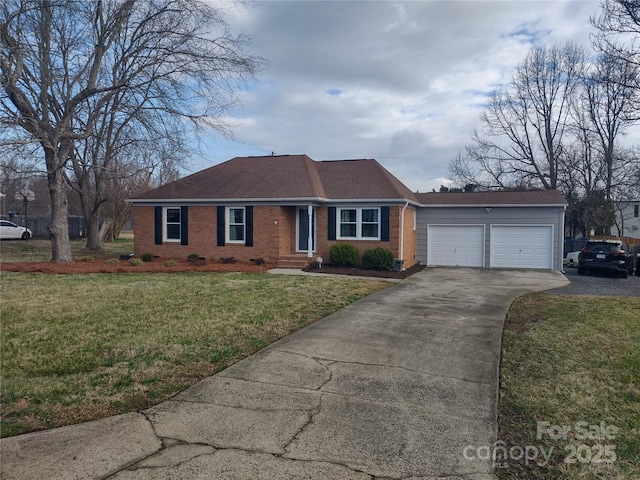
{"x": 311, "y": 415}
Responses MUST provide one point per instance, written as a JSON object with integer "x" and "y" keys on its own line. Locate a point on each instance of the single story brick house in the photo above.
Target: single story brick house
{"x": 290, "y": 208}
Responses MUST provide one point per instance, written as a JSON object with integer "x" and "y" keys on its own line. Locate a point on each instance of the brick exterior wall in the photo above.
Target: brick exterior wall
{"x": 274, "y": 235}
{"x": 409, "y": 252}
{"x": 323, "y": 244}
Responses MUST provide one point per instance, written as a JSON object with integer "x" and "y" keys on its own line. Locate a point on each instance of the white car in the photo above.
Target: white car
{"x": 9, "y": 230}
{"x": 572, "y": 259}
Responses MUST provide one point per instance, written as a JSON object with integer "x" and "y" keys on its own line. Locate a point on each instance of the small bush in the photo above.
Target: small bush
{"x": 112, "y": 261}
{"x": 192, "y": 257}
{"x": 135, "y": 262}
{"x": 378, "y": 259}
{"x": 86, "y": 258}
{"x": 314, "y": 265}
{"x": 228, "y": 260}
{"x": 170, "y": 263}
{"x": 343, "y": 255}
{"x": 258, "y": 261}
{"x": 147, "y": 257}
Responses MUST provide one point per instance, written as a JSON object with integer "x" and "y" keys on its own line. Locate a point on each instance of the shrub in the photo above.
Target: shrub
{"x": 228, "y": 260}
{"x": 170, "y": 263}
{"x": 112, "y": 261}
{"x": 378, "y": 259}
{"x": 146, "y": 257}
{"x": 343, "y": 255}
{"x": 258, "y": 261}
{"x": 135, "y": 262}
{"x": 314, "y": 265}
{"x": 86, "y": 258}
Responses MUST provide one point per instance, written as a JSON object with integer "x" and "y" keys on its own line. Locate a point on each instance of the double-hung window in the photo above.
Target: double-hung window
{"x": 172, "y": 224}
{"x": 236, "y": 225}
{"x": 370, "y": 227}
{"x": 359, "y": 223}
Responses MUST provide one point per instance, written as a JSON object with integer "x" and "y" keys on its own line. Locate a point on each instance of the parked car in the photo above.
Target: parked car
{"x": 9, "y": 230}
{"x": 606, "y": 255}
{"x": 572, "y": 259}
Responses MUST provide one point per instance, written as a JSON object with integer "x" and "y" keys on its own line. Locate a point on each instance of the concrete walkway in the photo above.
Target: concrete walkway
{"x": 394, "y": 386}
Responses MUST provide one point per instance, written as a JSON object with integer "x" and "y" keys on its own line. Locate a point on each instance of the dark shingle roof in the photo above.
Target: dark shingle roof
{"x": 300, "y": 177}
{"x": 285, "y": 177}
{"x": 538, "y": 197}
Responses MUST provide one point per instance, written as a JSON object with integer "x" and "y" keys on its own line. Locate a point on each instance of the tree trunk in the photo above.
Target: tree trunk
{"x": 94, "y": 241}
{"x": 59, "y": 225}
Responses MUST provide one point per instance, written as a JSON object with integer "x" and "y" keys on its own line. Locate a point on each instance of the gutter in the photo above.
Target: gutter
{"x": 299, "y": 201}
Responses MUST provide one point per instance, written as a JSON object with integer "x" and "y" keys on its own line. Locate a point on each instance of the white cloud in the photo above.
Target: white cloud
{"x": 403, "y": 82}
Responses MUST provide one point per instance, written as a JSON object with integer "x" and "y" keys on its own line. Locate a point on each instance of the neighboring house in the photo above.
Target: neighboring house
{"x": 290, "y": 208}
{"x": 627, "y": 219}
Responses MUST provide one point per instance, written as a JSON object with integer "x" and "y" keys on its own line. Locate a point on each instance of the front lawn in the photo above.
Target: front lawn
{"x": 80, "y": 347}
{"x": 570, "y": 386}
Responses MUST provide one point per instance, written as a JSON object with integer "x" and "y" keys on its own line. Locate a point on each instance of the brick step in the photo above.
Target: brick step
{"x": 293, "y": 261}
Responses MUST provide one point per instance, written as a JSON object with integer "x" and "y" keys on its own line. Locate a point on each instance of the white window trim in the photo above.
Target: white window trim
{"x": 227, "y": 225}
{"x": 164, "y": 225}
{"x": 358, "y": 223}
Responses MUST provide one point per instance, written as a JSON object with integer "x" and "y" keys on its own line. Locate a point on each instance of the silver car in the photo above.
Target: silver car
{"x": 11, "y": 231}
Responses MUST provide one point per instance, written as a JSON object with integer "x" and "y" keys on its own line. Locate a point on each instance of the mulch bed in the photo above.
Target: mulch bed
{"x": 366, "y": 273}
{"x": 99, "y": 265}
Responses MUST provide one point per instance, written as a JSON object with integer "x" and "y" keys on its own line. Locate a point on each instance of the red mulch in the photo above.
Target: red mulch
{"x": 99, "y": 265}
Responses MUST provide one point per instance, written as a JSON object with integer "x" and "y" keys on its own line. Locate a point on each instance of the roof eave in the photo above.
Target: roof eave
{"x": 209, "y": 201}
{"x": 491, "y": 205}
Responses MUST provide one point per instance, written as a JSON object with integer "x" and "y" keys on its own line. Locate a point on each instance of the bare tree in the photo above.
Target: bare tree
{"x": 62, "y": 64}
{"x": 618, "y": 34}
{"x": 523, "y": 128}
{"x": 610, "y": 103}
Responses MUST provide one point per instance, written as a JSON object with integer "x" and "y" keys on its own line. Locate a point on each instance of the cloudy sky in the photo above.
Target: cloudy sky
{"x": 401, "y": 82}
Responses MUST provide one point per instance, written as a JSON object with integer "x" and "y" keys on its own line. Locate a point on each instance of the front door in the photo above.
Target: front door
{"x": 303, "y": 230}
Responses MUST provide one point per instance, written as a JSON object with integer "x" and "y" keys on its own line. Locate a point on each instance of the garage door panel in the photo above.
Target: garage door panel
{"x": 455, "y": 245}
{"x": 521, "y": 246}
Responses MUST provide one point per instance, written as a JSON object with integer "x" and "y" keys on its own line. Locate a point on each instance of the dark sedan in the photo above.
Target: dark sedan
{"x": 606, "y": 256}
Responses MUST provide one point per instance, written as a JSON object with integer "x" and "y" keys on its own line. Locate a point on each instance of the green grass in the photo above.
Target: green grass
{"x": 565, "y": 360}
{"x": 80, "y": 347}
{"x": 38, "y": 250}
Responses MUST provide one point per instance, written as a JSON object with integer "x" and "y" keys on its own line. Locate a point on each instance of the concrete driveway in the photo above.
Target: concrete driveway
{"x": 393, "y": 386}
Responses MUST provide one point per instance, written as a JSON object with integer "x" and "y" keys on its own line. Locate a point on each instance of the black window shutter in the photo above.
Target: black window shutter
{"x": 384, "y": 224}
{"x": 220, "y": 225}
{"x": 184, "y": 225}
{"x": 248, "y": 233}
{"x": 332, "y": 223}
{"x": 158, "y": 225}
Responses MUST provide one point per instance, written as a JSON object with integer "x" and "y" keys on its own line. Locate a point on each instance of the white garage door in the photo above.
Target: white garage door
{"x": 455, "y": 245}
{"x": 521, "y": 246}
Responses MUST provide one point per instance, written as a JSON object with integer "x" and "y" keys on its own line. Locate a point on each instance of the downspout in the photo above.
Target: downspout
{"x": 310, "y": 239}
{"x": 561, "y": 252}
{"x": 402, "y": 233}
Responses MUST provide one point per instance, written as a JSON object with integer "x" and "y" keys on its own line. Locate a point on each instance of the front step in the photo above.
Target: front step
{"x": 297, "y": 262}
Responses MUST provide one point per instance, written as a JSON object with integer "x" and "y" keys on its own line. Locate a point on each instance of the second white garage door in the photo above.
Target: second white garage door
{"x": 521, "y": 246}
{"x": 455, "y": 245}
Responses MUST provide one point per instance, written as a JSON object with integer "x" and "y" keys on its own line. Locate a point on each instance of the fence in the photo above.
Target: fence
{"x": 630, "y": 241}
{"x": 38, "y": 225}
